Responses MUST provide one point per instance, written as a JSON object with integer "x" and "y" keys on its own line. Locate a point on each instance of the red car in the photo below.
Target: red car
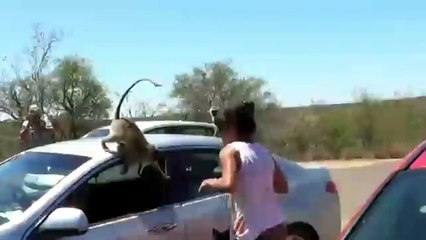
{"x": 397, "y": 209}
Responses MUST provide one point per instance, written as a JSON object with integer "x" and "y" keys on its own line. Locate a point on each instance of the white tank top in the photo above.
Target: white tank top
{"x": 255, "y": 198}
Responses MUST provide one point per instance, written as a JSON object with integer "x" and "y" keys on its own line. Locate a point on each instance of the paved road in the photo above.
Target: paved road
{"x": 356, "y": 184}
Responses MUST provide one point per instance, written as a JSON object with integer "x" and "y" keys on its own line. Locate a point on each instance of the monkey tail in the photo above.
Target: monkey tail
{"x": 117, "y": 111}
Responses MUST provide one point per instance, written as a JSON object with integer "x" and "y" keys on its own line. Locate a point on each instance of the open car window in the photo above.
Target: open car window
{"x": 113, "y": 174}
{"x": 399, "y": 212}
{"x": 108, "y": 194}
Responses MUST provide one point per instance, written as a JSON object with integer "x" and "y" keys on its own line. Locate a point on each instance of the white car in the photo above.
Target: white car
{"x": 164, "y": 127}
{"x": 74, "y": 190}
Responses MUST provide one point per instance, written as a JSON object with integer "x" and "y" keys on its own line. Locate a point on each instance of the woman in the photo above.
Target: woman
{"x": 251, "y": 176}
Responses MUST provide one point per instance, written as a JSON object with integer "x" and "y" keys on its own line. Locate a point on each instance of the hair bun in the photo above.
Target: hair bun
{"x": 249, "y": 106}
{"x": 246, "y": 109}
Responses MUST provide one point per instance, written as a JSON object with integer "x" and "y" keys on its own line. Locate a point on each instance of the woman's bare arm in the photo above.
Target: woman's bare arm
{"x": 279, "y": 180}
{"x": 230, "y": 161}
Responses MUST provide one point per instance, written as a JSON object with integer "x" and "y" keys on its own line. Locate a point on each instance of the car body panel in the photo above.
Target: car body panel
{"x": 147, "y": 225}
{"x": 306, "y": 202}
{"x": 420, "y": 161}
{"x": 408, "y": 162}
{"x": 204, "y": 214}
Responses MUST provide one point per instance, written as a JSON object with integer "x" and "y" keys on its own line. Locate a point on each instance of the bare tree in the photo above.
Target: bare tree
{"x": 28, "y": 82}
{"x": 40, "y": 58}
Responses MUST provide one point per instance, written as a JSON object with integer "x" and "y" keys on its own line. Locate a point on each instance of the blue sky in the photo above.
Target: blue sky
{"x": 321, "y": 50}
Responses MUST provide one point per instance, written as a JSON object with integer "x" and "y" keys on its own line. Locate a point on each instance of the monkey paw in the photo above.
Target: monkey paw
{"x": 106, "y": 149}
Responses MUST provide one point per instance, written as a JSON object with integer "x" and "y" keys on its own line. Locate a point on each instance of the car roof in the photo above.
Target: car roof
{"x": 147, "y": 125}
{"x": 91, "y": 147}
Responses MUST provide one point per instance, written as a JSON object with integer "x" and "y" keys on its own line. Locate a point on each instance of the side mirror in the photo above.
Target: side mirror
{"x": 64, "y": 222}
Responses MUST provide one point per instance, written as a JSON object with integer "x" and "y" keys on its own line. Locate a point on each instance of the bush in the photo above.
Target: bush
{"x": 9, "y": 142}
{"x": 369, "y": 129}
{"x": 397, "y": 150}
{"x": 321, "y": 154}
{"x": 356, "y": 152}
{"x": 337, "y": 133}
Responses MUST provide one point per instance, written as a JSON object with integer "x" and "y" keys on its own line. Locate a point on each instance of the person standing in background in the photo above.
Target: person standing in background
{"x": 33, "y": 131}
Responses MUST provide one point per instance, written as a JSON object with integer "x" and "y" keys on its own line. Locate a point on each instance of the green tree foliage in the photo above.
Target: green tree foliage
{"x": 53, "y": 84}
{"x": 337, "y": 132}
{"x": 77, "y": 90}
{"x": 365, "y": 114}
{"x": 302, "y": 135}
{"x": 220, "y": 83}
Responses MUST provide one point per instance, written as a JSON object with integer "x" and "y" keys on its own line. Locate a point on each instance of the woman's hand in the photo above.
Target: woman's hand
{"x": 207, "y": 184}
{"x": 230, "y": 162}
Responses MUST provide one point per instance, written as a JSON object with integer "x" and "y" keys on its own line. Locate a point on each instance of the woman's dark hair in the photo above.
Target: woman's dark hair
{"x": 242, "y": 118}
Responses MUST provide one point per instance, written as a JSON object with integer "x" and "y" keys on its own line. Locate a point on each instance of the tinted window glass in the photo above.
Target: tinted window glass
{"x": 196, "y": 131}
{"x": 188, "y": 168}
{"x": 188, "y": 130}
{"x": 398, "y": 213}
{"x": 27, "y": 177}
{"x": 156, "y": 131}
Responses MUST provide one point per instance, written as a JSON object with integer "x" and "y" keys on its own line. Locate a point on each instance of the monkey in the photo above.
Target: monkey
{"x": 61, "y": 124}
{"x": 133, "y": 146}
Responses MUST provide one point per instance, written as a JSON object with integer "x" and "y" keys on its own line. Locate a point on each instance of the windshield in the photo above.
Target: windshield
{"x": 398, "y": 213}
{"x": 26, "y": 177}
{"x": 97, "y": 133}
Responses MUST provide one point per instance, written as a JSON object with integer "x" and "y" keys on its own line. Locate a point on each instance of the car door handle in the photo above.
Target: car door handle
{"x": 163, "y": 228}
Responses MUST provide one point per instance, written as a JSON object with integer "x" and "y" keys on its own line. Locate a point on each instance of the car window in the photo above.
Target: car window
{"x": 187, "y": 130}
{"x": 203, "y": 131}
{"x": 108, "y": 194}
{"x": 113, "y": 174}
{"x": 156, "y": 131}
{"x": 98, "y": 133}
{"x": 27, "y": 177}
{"x": 188, "y": 168}
{"x": 399, "y": 212}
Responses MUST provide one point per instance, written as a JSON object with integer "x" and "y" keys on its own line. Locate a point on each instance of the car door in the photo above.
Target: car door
{"x": 204, "y": 212}
{"x": 155, "y": 225}
{"x": 127, "y": 206}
